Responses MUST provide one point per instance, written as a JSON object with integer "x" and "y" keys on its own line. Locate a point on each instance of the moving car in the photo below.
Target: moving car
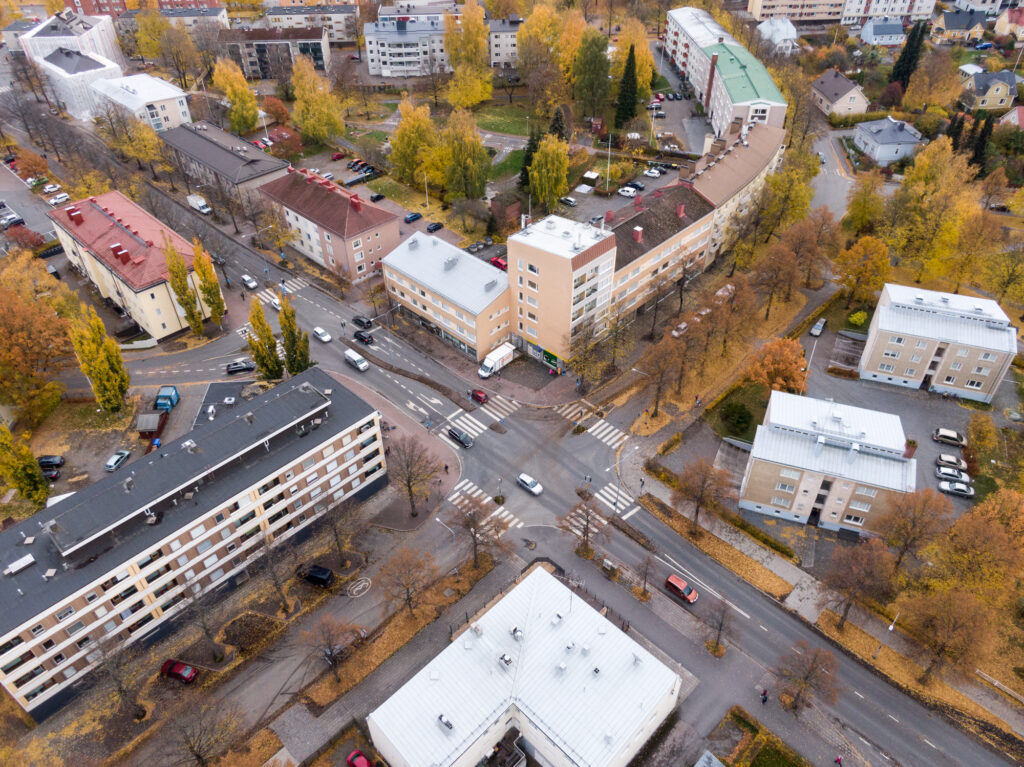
{"x": 461, "y": 437}
{"x": 952, "y": 475}
{"x": 435, "y": 226}
{"x": 627, "y": 191}
{"x": 362, "y": 322}
{"x": 321, "y": 335}
{"x": 680, "y": 588}
{"x": 249, "y": 282}
{"x": 50, "y": 461}
{"x": 821, "y": 157}
{"x": 479, "y": 395}
{"x": 570, "y": 201}
{"x": 175, "y": 669}
{"x": 949, "y": 437}
{"x": 51, "y": 188}
{"x": 957, "y": 488}
{"x": 410, "y": 217}
{"x": 240, "y": 366}
{"x": 318, "y": 575}
{"x": 945, "y": 459}
{"x": 500, "y": 262}
{"x": 819, "y": 326}
{"x": 363, "y": 337}
{"x": 117, "y": 460}
{"x": 531, "y": 485}
{"x": 357, "y": 759}
{"x": 276, "y": 303}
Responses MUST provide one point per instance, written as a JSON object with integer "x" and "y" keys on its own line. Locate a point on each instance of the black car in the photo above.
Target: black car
{"x": 51, "y": 474}
{"x": 362, "y": 322}
{"x": 218, "y": 260}
{"x": 376, "y": 197}
{"x": 660, "y": 115}
{"x": 410, "y": 217}
{"x": 318, "y": 575}
{"x": 9, "y": 159}
{"x": 240, "y": 366}
{"x": 364, "y": 337}
{"x": 434, "y": 226}
{"x": 461, "y": 437}
{"x": 50, "y": 461}
{"x": 352, "y": 163}
{"x": 638, "y": 185}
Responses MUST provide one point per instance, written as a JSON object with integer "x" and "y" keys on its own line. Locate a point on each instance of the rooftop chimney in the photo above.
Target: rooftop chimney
{"x": 75, "y": 215}
{"x": 681, "y": 210}
{"x": 357, "y": 204}
{"x": 638, "y": 233}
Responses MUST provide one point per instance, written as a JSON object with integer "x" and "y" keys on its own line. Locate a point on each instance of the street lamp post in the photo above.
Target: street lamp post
{"x": 892, "y": 627}
{"x": 454, "y": 547}
{"x": 499, "y": 487}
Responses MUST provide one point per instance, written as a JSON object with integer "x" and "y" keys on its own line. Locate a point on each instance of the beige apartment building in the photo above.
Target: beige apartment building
{"x": 335, "y": 227}
{"x": 822, "y": 463}
{"x": 113, "y": 563}
{"x": 455, "y": 295}
{"x": 944, "y": 342}
{"x": 119, "y": 247}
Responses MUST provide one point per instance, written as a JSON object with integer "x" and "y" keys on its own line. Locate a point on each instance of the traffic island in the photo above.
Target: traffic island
{"x": 739, "y": 739}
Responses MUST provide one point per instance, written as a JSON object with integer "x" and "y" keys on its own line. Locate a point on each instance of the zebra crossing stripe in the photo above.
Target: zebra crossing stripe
{"x": 630, "y": 513}
{"x": 462, "y": 482}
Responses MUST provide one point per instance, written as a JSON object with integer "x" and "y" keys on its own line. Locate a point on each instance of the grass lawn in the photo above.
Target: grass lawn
{"x": 838, "y": 316}
{"x": 750, "y": 395}
{"x": 510, "y": 166}
{"x": 504, "y": 118}
{"x": 377, "y": 135}
{"x": 772, "y": 755}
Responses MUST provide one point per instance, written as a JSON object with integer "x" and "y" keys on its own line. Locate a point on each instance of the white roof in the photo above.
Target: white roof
{"x": 949, "y": 317}
{"x": 589, "y": 716}
{"x": 462, "y": 279}
{"x": 777, "y": 30}
{"x": 787, "y": 448}
{"x": 839, "y": 423}
{"x": 700, "y": 26}
{"x": 561, "y": 236}
{"x": 135, "y": 91}
{"x": 971, "y": 69}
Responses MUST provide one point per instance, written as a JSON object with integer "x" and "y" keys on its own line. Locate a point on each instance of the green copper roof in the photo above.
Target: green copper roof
{"x": 745, "y": 77}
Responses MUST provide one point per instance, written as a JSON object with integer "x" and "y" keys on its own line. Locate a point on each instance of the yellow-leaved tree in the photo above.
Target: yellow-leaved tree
{"x": 243, "y": 112}
{"x": 318, "y": 111}
{"x": 413, "y": 138}
{"x": 465, "y": 44}
{"x": 549, "y": 171}
{"x": 150, "y": 26}
{"x": 934, "y": 82}
{"x": 634, "y": 34}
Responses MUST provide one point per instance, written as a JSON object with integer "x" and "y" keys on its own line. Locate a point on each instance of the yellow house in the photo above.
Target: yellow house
{"x": 958, "y": 27}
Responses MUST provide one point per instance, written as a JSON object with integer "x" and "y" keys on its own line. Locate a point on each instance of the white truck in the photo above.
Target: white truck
{"x": 496, "y": 359}
{"x": 196, "y": 202}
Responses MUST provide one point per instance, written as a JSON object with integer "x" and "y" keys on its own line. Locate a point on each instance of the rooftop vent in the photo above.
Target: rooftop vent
{"x": 944, "y": 299}
{"x": 597, "y": 671}
{"x": 477, "y": 629}
{"x": 517, "y": 633}
{"x": 505, "y": 659}
{"x": 585, "y": 650}
{"x": 918, "y": 299}
{"x": 557, "y": 619}
{"x": 19, "y": 564}
{"x": 413, "y": 243}
{"x": 570, "y": 647}
{"x": 450, "y": 262}
{"x": 490, "y": 285}
{"x": 249, "y": 417}
{"x": 637, "y": 660}
{"x": 445, "y": 722}
{"x": 561, "y": 667}
{"x": 190, "y": 445}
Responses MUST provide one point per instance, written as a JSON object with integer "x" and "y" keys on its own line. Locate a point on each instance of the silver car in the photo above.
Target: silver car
{"x": 952, "y": 475}
{"x": 530, "y": 484}
{"x": 957, "y": 488}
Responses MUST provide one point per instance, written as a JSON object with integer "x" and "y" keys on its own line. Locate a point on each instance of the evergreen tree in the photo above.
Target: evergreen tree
{"x": 531, "y": 147}
{"x": 909, "y": 56}
{"x": 955, "y": 129}
{"x": 625, "y": 107}
{"x": 295, "y": 341}
{"x": 100, "y": 360}
{"x": 590, "y": 71}
{"x": 177, "y": 275}
{"x": 262, "y": 344}
{"x": 972, "y": 134}
{"x": 557, "y": 127}
{"x": 981, "y": 142}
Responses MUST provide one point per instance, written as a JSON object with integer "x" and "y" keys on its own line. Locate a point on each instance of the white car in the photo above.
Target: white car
{"x": 952, "y": 475}
{"x": 652, "y": 173}
{"x": 58, "y": 199}
{"x": 249, "y": 282}
{"x": 679, "y": 330}
{"x": 531, "y": 485}
{"x": 627, "y": 191}
{"x": 276, "y": 303}
{"x": 315, "y": 170}
{"x": 957, "y": 488}
{"x": 51, "y": 188}
{"x": 329, "y": 176}
{"x": 321, "y": 335}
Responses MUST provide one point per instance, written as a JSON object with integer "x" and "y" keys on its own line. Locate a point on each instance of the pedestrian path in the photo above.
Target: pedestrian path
{"x": 499, "y": 408}
{"x": 293, "y": 285}
{"x": 466, "y": 489}
{"x": 608, "y": 434}
{"x": 617, "y": 499}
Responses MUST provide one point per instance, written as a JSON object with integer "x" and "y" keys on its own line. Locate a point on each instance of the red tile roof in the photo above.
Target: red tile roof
{"x": 124, "y": 237}
{"x": 1015, "y": 16}
{"x": 326, "y": 204}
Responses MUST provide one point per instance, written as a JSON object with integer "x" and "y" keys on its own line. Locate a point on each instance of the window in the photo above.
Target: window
{"x": 891, "y": 355}
{"x": 789, "y": 474}
{"x": 916, "y": 358}
{"x": 987, "y": 357}
{"x": 972, "y": 384}
{"x": 532, "y": 269}
{"x": 962, "y": 353}
{"x": 860, "y": 506}
{"x": 898, "y": 340}
{"x": 853, "y": 519}
{"x": 910, "y": 372}
{"x": 950, "y": 380}
{"x": 870, "y": 492}
{"x": 921, "y": 345}
{"x": 37, "y": 630}
{"x": 531, "y": 284}
{"x": 956, "y": 365}
{"x": 67, "y": 612}
{"x": 886, "y": 368}
{"x": 982, "y": 371}
{"x": 782, "y": 486}
{"x": 782, "y": 502}
{"x": 75, "y": 627}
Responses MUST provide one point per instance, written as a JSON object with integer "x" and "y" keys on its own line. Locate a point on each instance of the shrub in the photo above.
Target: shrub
{"x": 857, "y": 319}
{"x": 671, "y": 443}
{"x": 736, "y": 416}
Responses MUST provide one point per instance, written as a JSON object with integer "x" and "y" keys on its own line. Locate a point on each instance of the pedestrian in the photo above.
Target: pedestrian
{"x": 387, "y": 452}
{"x": 764, "y": 697}
{"x": 446, "y": 468}
{"x": 343, "y": 324}
{"x": 839, "y": 760}
{"x": 243, "y": 295}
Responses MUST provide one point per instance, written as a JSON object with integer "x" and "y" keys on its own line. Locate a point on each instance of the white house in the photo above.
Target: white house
{"x": 885, "y": 32}
{"x": 886, "y": 141}
{"x": 151, "y": 99}
{"x": 71, "y": 74}
{"x": 780, "y": 35}
{"x": 76, "y": 32}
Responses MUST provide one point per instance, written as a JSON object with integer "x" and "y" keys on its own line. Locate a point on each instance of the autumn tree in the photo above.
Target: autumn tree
{"x": 31, "y": 164}
{"x": 993, "y": 187}
{"x": 619, "y": 332}
{"x": 954, "y": 626}
{"x": 318, "y": 111}
{"x": 177, "y": 276}
{"x": 701, "y": 484}
{"x": 658, "y": 364}
{"x": 150, "y": 26}
{"x": 142, "y": 144}
{"x": 780, "y": 366}
{"x": 813, "y": 241}
{"x": 538, "y": 59}
{"x": 934, "y": 82}
{"x": 276, "y": 110}
{"x": 469, "y": 164}
{"x": 549, "y": 171}
{"x": 330, "y": 639}
{"x": 262, "y": 343}
{"x": 912, "y": 521}
{"x": 19, "y": 468}
{"x": 209, "y": 286}
{"x": 294, "y": 340}
{"x": 774, "y": 274}
{"x": 22, "y": 237}
{"x": 199, "y": 728}
{"x": 413, "y": 138}
{"x": 99, "y": 358}
{"x": 633, "y": 35}
{"x": 587, "y": 523}
{"x": 484, "y": 529}
{"x": 787, "y": 194}
{"x": 1003, "y": 273}
{"x": 863, "y": 269}
{"x": 590, "y": 71}
{"x": 179, "y": 54}
{"x": 979, "y": 555}
{"x": 412, "y": 468}
{"x": 734, "y": 318}
{"x": 466, "y": 45}
{"x": 807, "y": 672}
{"x": 243, "y": 112}
{"x": 980, "y": 237}
{"x": 856, "y": 573}
{"x": 586, "y": 355}
{"x": 406, "y": 576}
{"x": 33, "y": 340}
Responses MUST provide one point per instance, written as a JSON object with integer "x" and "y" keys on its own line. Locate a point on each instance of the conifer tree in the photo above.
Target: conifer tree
{"x": 625, "y": 107}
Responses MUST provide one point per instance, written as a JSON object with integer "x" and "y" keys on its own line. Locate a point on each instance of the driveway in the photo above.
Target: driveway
{"x": 31, "y": 207}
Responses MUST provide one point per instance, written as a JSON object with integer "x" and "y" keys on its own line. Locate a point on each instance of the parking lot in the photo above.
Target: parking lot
{"x": 19, "y": 199}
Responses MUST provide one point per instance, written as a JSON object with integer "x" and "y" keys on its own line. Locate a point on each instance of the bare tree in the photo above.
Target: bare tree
{"x": 341, "y": 525}
{"x": 701, "y": 484}
{"x": 858, "y": 572}
{"x": 508, "y": 81}
{"x": 274, "y": 567}
{"x": 718, "y": 623}
{"x": 435, "y": 76}
{"x": 331, "y": 638}
{"x": 646, "y": 568}
{"x": 658, "y": 364}
{"x": 914, "y": 520}
{"x": 200, "y": 728}
{"x": 586, "y": 357}
{"x": 955, "y": 627}
{"x": 206, "y": 610}
{"x": 658, "y": 287}
{"x": 807, "y": 672}
{"x": 121, "y": 666}
{"x": 225, "y": 199}
{"x": 205, "y": 35}
{"x": 482, "y": 527}
{"x": 412, "y": 467}
{"x": 406, "y": 576}
{"x": 586, "y": 523}
{"x": 619, "y": 332}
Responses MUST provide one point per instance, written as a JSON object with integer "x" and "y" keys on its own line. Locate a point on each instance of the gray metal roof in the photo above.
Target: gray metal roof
{"x": 949, "y": 317}
{"x": 218, "y": 150}
{"x": 312, "y": 10}
{"x": 67, "y": 23}
{"x": 836, "y": 421}
{"x": 21, "y": 25}
{"x": 890, "y": 131}
{"x": 176, "y": 13}
{"x": 103, "y": 526}
{"x": 75, "y": 62}
{"x": 461, "y": 278}
{"x": 885, "y": 27}
{"x": 400, "y": 30}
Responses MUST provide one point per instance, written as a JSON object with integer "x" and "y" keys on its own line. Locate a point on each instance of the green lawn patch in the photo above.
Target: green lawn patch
{"x": 753, "y": 397}
{"x": 838, "y": 316}
{"x": 510, "y": 166}
{"x": 772, "y": 755}
{"x": 377, "y": 135}
{"x": 983, "y": 485}
{"x": 662, "y": 84}
{"x": 504, "y": 118}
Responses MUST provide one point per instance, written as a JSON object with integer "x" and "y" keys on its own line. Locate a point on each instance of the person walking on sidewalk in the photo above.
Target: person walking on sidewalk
{"x": 446, "y": 468}
{"x": 839, "y": 760}
{"x": 764, "y": 697}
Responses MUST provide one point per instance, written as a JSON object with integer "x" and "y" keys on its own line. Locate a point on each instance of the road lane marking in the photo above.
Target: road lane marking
{"x": 858, "y": 695}
{"x": 630, "y": 513}
{"x": 863, "y": 741}
{"x": 929, "y": 743}
{"x": 763, "y": 628}
{"x": 893, "y": 718}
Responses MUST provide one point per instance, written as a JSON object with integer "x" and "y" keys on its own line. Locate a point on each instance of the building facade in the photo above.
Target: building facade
{"x": 461, "y": 299}
{"x": 990, "y": 90}
{"x": 71, "y": 75}
{"x": 1011, "y": 22}
{"x": 405, "y": 48}
{"x": 262, "y": 54}
{"x": 988, "y": 7}
{"x": 884, "y": 32}
{"x": 833, "y": 93}
{"x": 944, "y": 342}
{"x": 848, "y": 12}
{"x": 156, "y": 102}
{"x": 340, "y": 21}
{"x": 779, "y": 35}
{"x": 887, "y": 140}
{"x": 822, "y": 463}
{"x": 116, "y": 7}
{"x": 958, "y": 27}
{"x": 729, "y": 81}
{"x": 75, "y": 32}
{"x": 12, "y": 33}
{"x": 187, "y": 17}
{"x": 335, "y": 228}
{"x": 116, "y": 561}
{"x": 503, "y": 42}
{"x": 119, "y": 247}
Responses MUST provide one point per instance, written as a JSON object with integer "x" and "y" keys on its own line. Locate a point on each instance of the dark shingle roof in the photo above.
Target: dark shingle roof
{"x": 833, "y": 85}
{"x": 660, "y": 219}
{"x": 983, "y": 80}
{"x": 73, "y": 62}
{"x": 963, "y": 19}
{"x": 217, "y": 150}
{"x": 326, "y": 204}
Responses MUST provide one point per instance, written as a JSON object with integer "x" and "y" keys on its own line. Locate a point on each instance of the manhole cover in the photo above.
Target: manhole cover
{"x": 358, "y": 587}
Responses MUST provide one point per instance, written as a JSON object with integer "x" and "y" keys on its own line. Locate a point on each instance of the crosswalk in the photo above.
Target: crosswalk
{"x": 466, "y": 489}
{"x": 617, "y": 499}
{"x": 246, "y": 329}
{"x": 293, "y": 285}
{"x": 578, "y": 522}
{"x": 497, "y": 408}
{"x": 575, "y": 411}
{"x": 579, "y": 412}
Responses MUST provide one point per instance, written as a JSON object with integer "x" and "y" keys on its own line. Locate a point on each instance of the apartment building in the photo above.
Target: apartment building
{"x": 120, "y": 249}
{"x": 340, "y": 21}
{"x": 826, "y": 464}
{"x": 989, "y": 7}
{"x": 12, "y": 33}
{"x": 113, "y": 563}
{"x": 502, "y": 41}
{"x": 156, "y": 102}
{"x": 461, "y": 299}
{"x": 945, "y": 342}
{"x": 209, "y": 155}
{"x": 74, "y": 32}
{"x": 413, "y": 11}
{"x": 71, "y": 75}
{"x": 187, "y": 17}
{"x": 260, "y": 53}
{"x": 116, "y": 7}
{"x": 336, "y": 228}
{"x": 405, "y": 48}
{"x": 849, "y": 12}
{"x": 728, "y": 80}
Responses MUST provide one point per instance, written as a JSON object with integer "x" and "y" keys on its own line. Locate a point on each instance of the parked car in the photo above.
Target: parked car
{"x": 654, "y": 105}
{"x": 945, "y": 459}
{"x": 9, "y": 159}
{"x": 338, "y": 156}
{"x": 638, "y": 185}
{"x": 318, "y": 575}
{"x": 570, "y": 201}
{"x": 315, "y": 170}
{"x": 11, "y": 220}
{"x": 460, "y": 436}
{"x": 51, "y": 474}
{"x": 357, "y": 759}
{"x": 679, "y": 330}
{"x": 329, "y": 176}
{"x": 819, "y": 327}
{"x": 957, "y": 488}
{"x": 321, "y": 335}
{"x": 821, "y": 158}
{"x": 531, "y": 485}
{"x": 352, "y": 163}
{"x": 50, "y": 461}
{"x": 999, "y": 207}
{"x": 376, "y": 197}
{"x": 240, "y": 366}
{"x": 363, "y": 337}
{"x": 410, "y": 217}
{"x": 680, "y": 588}
{"x": 51, "y": 188}
{"x": 362, "y": 322}
{"x": 435, "y": 226}
{"x": 949, "y": 437}
{"x": 652, "y": 173}
{"x": 117, "y": 460}
{"x": 627, "y": 191}
{"x": 183, "y": 672}
{"x": 952, "y": 475}
{"x": 249, "y": 282}
{"x": 659, "y": 115}
{"x": 500, "y": 262}
{"x": 479, "y": 395}
{"x": 659, "y": 96}
{"x": 982, "y": 46}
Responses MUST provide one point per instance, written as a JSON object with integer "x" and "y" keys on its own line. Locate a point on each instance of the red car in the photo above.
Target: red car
{"x": 500, "y": 262}
{"x": 659, "y": 96}
{"x": 680, "y": 588}
{"x": 479, "y": 395}
{"x": 183, "y": 672}
{"x": 337, "y": 155}
{"x": 358, "y": 759}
